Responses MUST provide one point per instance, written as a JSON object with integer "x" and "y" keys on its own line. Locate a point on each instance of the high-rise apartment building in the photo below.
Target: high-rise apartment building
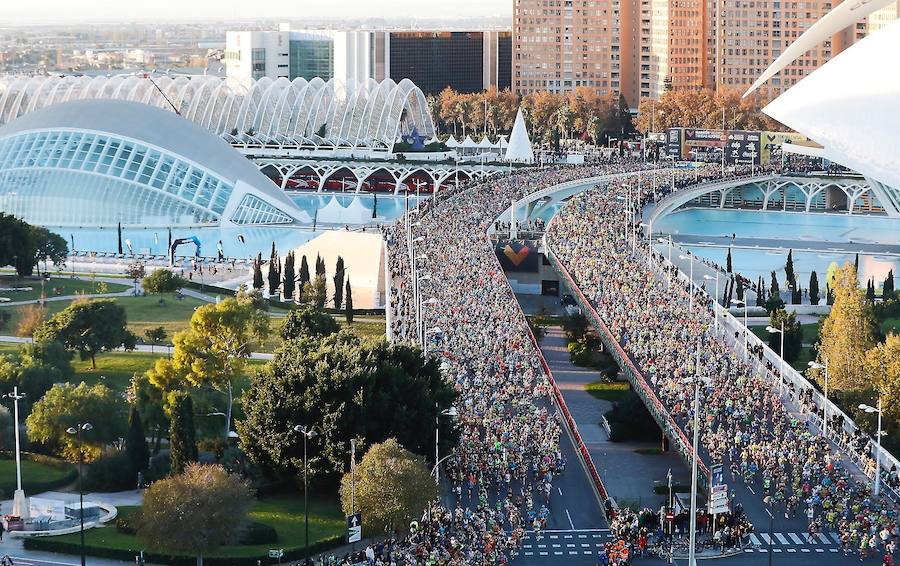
{"x": 642, "y": 48}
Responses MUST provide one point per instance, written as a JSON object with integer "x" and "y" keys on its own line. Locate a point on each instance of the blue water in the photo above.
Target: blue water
{"x": 353, "y": 211}
{"x": 795, "y": 226}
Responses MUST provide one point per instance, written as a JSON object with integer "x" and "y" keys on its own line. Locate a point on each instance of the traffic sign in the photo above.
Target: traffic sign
{"x": 354, "y": 527}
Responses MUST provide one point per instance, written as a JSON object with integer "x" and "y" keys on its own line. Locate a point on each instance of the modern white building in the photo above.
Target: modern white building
{"x": 286, "y": 53}
{"x": 96, "y": 163}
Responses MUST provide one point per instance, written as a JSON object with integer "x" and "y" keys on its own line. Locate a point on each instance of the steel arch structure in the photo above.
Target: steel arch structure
{"x": 268, "y": 113}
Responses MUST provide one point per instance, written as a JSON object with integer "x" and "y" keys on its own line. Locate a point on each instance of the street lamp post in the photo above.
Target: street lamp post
{"x": 691, "y": 295}
{"x": 692, "y": 557}
{"x": 870, "y": 409}
{"x": 307, "y": 434}
{"x": 816, "y": 365}
{"x": 743, "y": 303}
{"x": 773, "y": 330}
{"x": 451, "y": 412}
{"x": 649, "y": 228}
{"x": 20, "y": 508}
{"x": 77, "y": 430}
{"x": 716, "y": 302}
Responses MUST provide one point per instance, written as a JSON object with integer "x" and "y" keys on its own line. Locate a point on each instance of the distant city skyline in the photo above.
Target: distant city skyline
{"x": 66, "y": 11}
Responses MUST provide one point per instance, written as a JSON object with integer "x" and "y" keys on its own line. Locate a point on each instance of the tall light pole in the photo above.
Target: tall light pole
{"x": 743, "y": 303}
{"x": 870, "y": 409}
{"x": 692, "y": 557}
{"x": 816, "y": 365}
{"x": 20, "y": 508}
{"x": 77, "y": 430}
{"x": 419, "y": 318}
{"x": 307, "y": 434}
{"x": 451, "y": 412}
{"x": 773, "y": 330}
{"x": 716, "y": 301}
{"x": 691, "y": 296}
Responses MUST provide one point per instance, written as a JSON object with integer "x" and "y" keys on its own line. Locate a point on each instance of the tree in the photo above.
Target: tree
{"x": 162, "y": 281}
{"x": 793, "y": 334}
{"x": 182, "y": 433}
{"x": 274, "y": 275}
{"x": 856, "y": 267}
{"x": 740, "y": 288}
{"x": 48, "y": 246}
{"x": 887, "y": 289}
{"x": 813, "y": 288}
{"x": 136, "y": 449}
{"x": 17, "y": 246}
{"x": 135, "y": 271}
{"x": 65, "y": 405}
{"x": 847, "y": 333}
{"x": 883, "y": 367}
{"x": 288, "y": 277}
{"x": 392, "y": 487}
{"x": 789, "y": 275}
{"x": 304, "y": 277}
{"x": 214, "y": 350}
{"x": 774, "y": 302}
{"x": 34, "y": 369}
{"x": 257, "y": 272}
{"x": 870, "y": 291}
{"x": 339, "y": 283}
{"x": 89, "y": 327}
{"x": 308, "y": 322}
{"x": 319, "y": 292}
{"x": 760, "y": 293}
{"x": 196, "y": 511}
{"x": 348, "y": 303}
{"x": 348, "y": 388}
{"x": 320, "y": 266}
{"x": 728, "y": 261}
{"x": 155, "y": 336}
{"x": 148, "y": 399}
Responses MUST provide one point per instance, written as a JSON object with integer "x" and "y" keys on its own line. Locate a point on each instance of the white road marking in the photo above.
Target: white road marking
{"x": 823, "y": 538}
{"x": 571, "y": 524}
{"x": 559, "y": 489}
{"x": 766, "y": 537}
{"x": 781, "y": 538}
{"x": 557, "y": 553}
{"x": 795, "y": 538}
{"x": 582, "y": 536}
{"x": 836, "y": 537}
{"x": 754, "y": 540}
{"x": 820, "y": 550}
{"x": 23, "y": 560}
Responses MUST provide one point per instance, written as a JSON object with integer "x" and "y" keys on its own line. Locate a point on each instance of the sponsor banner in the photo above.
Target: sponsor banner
{"x": 518, "y": 255}
{"x": 674, "y": 146}
{"x": 772, "y": 141}
{"x": 743, "y": 147}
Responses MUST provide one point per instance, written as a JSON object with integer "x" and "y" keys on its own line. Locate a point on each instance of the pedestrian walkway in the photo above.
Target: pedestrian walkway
{"x": 791, "y": 543}
{"x": 558, "y": 544}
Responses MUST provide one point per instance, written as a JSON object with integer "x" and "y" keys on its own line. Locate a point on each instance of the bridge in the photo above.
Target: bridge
{"x": 785, "y": 193}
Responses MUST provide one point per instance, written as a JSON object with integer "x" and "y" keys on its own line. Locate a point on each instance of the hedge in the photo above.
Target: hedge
{"x": 47, "y": 544}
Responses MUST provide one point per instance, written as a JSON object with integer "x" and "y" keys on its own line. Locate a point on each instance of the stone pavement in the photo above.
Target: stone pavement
{"x": 628, "y": 475}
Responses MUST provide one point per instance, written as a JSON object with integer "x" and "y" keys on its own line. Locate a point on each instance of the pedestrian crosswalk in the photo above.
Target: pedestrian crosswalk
{"x": 565, "y": 543}
{"x": 791, "y": 543}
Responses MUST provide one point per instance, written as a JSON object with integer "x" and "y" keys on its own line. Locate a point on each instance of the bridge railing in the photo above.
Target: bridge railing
{"x": 634, "y": 375}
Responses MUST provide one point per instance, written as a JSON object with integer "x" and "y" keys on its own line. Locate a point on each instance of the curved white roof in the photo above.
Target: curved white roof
{"x": 151, "y": 126}
{"x": 849, "y": 106}
{"x": 279, "y": 113}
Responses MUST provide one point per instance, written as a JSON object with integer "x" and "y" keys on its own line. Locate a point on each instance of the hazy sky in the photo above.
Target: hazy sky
{"x": 14, "y": 12}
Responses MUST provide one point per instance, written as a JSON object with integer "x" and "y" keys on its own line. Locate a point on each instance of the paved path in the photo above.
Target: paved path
{"x": 139, "y": 348}
{"x": 627, "y": 474}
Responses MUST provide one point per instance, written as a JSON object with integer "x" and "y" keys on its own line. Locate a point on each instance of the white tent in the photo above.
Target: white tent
{"x": 335, "y": 213}
{"x": 502, "y": 143}
{"x": 468, "y": 143}
{"x": 485, "y": 143}
{"x": 451, "y": 142}
{"x": 434, "y": 139}
{"x": 519, "y": 145}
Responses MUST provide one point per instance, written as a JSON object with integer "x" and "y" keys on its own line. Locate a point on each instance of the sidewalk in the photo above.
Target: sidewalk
{"x": 628, "y": 475}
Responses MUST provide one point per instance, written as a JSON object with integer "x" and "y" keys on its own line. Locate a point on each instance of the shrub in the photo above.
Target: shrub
{"x": 110, "y": 472}
{"x": 259, "y": 533}
{"x": 127, "y": 523}
{"x": 162, "y": 281}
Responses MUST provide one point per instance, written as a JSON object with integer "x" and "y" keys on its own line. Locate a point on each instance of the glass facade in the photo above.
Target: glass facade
{"x": 311, "y": 58}
{"x": 434, "y": 61}
{"x": 78, "y": 178}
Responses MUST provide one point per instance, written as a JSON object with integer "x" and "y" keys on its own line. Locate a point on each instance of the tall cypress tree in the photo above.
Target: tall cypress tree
{"x": 870, "y": 291}
{"x": 348, "y": 303}
{"x": 288, "y": 278}
{"x": 760, "y": 292}
{"x": 304, "y": 277}
{"x": 856, "y": 265}
{"x": 339, "y": 283}
{"x": 320, "y": 266}
{"x": 887, "y": 290}
{"x": 182, "y": 435}
{"x": 813, "y": 288}
{"x": 740, "y": 288}
{"x": 257, "y": 272}
{"x": 136, "y": 449}
{"x": 773, "y": 289}
{"x": 728, "y": 261}
{"x": 789, "y": 269}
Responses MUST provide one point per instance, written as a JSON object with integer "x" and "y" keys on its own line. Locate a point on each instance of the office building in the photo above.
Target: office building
{"x": 284, "y": 53}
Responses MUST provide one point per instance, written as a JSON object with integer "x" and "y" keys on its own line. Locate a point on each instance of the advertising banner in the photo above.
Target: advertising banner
{"x": 674, "y": 146}
{"x": 518, "y": 256}
{"x": 718, "y": 493}
{"x": 772, "y": 141}
{"x": 743, "y": 147}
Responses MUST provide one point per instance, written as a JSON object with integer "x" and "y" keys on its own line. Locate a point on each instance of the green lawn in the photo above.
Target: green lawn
{"x": 35, "y": 476}
{"x": 365, "y": 326}
{"x": 284, "y": 514}
{"x": 810, "y": 332}
{"x": 56, "y": 286}
{"x": 608, "y": 390}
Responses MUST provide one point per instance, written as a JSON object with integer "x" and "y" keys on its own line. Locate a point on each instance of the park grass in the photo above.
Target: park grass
{"x": 283, "y": 513}
{"x": 56, "y": 286}
{"x": 608, "y": 390}
{"x": 810, "y": 332}
{"x": 368, "y": 326}
{"x": 35, "y": 476}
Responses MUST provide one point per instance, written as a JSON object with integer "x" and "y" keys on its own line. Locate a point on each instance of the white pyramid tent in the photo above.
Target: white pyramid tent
{"x": 468, "y": 143}
{"x": 519, "y": 145}
{"x": 501, "y": 143}
{"x": 434, "y": 139}
{"x": 451, "y": 142}
{"x": 485, "y": 143}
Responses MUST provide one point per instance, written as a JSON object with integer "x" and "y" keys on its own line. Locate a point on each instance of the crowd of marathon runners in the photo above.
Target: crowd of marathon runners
{"x": 744, "y": 422}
